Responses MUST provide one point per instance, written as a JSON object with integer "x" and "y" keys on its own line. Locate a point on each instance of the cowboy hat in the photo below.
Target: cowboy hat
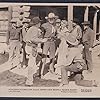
{"x": 72, "y": 40}
{"x": 58, "y": 21}
{"x": 35, "y": 21}
{"x": 51, "y": 15}
{"x": 86, "y": 23}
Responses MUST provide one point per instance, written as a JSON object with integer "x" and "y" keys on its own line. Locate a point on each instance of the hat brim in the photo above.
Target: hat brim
{"x": 55, "y": 17}
{"x": 85, "y": 24}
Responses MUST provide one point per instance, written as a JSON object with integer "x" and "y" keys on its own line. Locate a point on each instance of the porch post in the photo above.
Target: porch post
{"x": 95, "y": 22}
{"x": 70, "y": 16}
{"x": 99, "y": 25}
{"x": 86, "y": 14}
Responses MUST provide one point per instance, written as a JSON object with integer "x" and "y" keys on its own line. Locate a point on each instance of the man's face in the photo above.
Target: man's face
{"x": 85, "y": 26}
{"x": 51, "y": 20}
{"x": 58, "y": 24}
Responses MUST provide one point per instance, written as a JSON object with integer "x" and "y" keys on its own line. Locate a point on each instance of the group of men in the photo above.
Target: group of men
{"x": 74, "y": 49}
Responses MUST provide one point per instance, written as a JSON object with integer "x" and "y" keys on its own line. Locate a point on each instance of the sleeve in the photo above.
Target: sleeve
{"x": 92, "y": 35}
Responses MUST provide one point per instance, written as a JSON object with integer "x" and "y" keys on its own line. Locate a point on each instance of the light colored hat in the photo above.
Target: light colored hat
{"x": 51, "y": 15}
{"x": 72, "y": 40}
{"x": 58, "y": 21}
{"x": 64, "y": 22}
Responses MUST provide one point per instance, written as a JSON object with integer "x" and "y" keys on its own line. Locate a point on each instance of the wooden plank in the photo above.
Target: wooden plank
{"x": 3, "y": 15}
{"x": 21, "y": 9}
{"x": 17, "y": 14}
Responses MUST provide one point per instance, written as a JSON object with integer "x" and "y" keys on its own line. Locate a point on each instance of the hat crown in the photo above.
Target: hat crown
{"x": 58, "y": 21}
{"x": 36, "y": 20}
{"x": 51, "y": 15}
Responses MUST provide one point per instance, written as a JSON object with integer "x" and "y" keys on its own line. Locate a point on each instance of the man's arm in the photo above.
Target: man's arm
{"x": 79, "y": 31}
{"x": 70, "y": 57}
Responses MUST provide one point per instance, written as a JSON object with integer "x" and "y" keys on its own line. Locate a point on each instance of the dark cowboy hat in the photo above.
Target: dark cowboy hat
{"x": 86, "y": 23}
{"x": 35, "y": 21}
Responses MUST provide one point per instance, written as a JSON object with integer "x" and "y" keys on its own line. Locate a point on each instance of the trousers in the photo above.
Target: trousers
{"x": 32, "y": 67}
{"x": 88, "y": 57}
{"x": 24, "y": 62}
{"x": 14, "y": 52}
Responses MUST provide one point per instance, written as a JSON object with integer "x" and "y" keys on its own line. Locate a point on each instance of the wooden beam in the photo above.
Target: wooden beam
{"x": 70, "y": 16}
{"x": 86, "y": 14}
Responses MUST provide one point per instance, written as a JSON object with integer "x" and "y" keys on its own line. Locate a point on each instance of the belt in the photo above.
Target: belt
{"x": 14, "y": 39}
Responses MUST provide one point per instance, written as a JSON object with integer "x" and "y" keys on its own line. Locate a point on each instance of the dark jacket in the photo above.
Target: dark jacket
{"x": 88, "y": 37}
{"x": 14, "y": 34}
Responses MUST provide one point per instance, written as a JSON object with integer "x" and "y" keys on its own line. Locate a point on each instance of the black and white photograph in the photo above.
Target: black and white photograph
{"x": 50, "y": 49}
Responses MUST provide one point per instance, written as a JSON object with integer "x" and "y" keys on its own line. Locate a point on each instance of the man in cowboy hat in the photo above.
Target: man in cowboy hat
{"x": 13, "y": 39}
{"x": 75, "y": 64}
{"x": 24, "y": 32}
{"x": 88, "y": 40}
{"x": 50, "y": 44}
{"x": 32, "y": 39}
